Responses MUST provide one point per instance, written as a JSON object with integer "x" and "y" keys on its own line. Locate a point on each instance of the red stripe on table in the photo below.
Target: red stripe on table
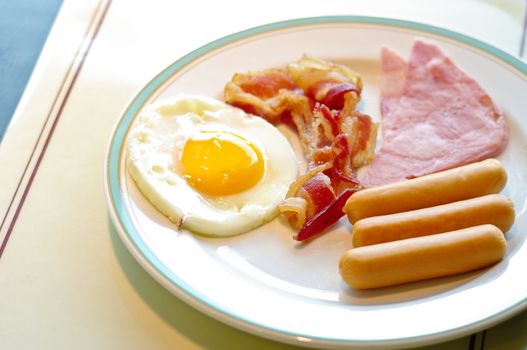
{"x": 48, "y": 128}
{"x": 524, "y": 33}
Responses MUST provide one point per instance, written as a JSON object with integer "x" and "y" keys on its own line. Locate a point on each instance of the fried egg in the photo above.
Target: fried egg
{"x": 208, "y": 166}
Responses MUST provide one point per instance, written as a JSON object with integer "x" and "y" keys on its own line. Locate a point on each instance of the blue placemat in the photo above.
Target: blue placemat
{"x": 24, "y": 27}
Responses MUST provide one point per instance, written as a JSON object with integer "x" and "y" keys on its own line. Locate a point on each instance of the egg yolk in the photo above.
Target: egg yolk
{"x": 221, "y": 163}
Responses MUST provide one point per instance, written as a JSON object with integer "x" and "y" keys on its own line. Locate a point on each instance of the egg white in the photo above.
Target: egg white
{"x": 162, "y": 128}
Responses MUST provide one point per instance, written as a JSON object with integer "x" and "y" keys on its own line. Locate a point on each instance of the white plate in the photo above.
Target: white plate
{"x": 265, "y": 283}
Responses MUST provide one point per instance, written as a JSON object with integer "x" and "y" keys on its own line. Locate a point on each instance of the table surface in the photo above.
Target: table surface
{"x": 67, "y": 279}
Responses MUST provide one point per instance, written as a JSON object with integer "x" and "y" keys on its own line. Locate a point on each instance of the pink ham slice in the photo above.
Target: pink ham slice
{"x": 434, "y": 117}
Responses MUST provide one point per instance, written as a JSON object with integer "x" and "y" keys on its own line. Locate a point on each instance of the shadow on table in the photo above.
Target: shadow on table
{"x": 198, "y": 327}
{"x": 195, "y": 325}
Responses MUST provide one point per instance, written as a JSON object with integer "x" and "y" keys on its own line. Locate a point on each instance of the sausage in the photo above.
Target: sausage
{"x": 495, "y": 209}
{"x": 468, "y": 181}
{"x": 422, "y": 258}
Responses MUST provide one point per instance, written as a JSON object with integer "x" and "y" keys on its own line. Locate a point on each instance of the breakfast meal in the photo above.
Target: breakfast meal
{"x": 210, "y": 167}
{"x": 426, "y": 204}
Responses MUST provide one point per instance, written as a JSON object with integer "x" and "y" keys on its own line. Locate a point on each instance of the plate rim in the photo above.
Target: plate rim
{"x": 160, "y": 272}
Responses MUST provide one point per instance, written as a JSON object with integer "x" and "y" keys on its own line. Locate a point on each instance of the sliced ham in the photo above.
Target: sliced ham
{"x": 434, "y": 117}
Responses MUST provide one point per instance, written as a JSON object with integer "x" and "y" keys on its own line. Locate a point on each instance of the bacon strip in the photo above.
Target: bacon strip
{"x": 270, "y": 94}
{"x": 302, "y": 200}
{"x": 319, "y": 100}
{"x": 324, "y": 81}
{"x": 335, "y": 95}
{"x": 265, "y": 84}
{"x": 317, "y": 193}
{"x": 320, "y": 192}
{"x": 325, "y": 217}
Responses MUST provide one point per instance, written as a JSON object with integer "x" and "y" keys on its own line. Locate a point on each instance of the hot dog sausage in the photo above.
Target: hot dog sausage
{"x": 495, "y": 209}
{"x": 422, "y": 258}
{"x": 469, "y": 181}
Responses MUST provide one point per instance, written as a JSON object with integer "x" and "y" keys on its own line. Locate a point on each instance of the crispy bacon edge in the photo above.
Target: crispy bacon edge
{"x": 319, "y": 99}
